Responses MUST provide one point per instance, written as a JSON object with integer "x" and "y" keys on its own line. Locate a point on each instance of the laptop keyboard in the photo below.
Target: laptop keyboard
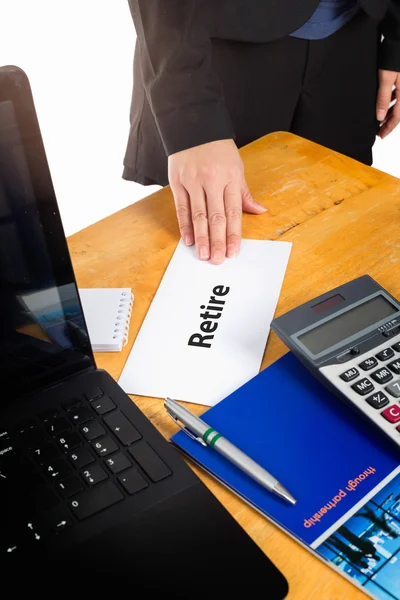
{"x": 71, "y": 463}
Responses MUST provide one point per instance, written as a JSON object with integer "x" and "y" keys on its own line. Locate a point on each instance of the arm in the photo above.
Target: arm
{"x": 184, "y": 92}
{"x": 389, "y": 58}
{"x": 205, "y": 170}
{"x": 389, "y": 73}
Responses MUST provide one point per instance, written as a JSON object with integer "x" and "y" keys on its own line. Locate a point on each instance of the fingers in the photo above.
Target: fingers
{"x": 248, "y": 202}
{"x": 217, "y": 222}
{"x": 233, "y": 211}
{"x": 209, "y": 190}
{"x": 393, "y": 118}
{"x": 184, "y": 213}
{"x": 200, "y": 221}
{"x": 386, "y": 82}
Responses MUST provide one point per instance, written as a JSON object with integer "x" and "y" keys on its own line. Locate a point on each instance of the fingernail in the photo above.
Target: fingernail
{"x": 380, "y": 114}
{"x": 231, "y": 251}
{"x": 188, "y": 240}
{"x": 218, "y": 257}
{"x": 203, "y": 253}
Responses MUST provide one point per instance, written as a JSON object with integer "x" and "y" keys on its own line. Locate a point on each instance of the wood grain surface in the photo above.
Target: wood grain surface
{"x": 344, "y": 221}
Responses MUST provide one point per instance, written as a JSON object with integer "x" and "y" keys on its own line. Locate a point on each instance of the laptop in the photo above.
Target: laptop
{"x": 91, "y": 494}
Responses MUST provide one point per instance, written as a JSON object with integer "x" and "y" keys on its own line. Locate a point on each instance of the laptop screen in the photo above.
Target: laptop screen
{"x": 43, "y": 336}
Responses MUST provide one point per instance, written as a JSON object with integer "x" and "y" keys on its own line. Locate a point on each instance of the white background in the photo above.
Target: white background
{"x": 78, "y": 56}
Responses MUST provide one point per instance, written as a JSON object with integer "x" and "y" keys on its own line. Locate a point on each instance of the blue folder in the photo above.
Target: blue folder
{"x": 315, "y": 445}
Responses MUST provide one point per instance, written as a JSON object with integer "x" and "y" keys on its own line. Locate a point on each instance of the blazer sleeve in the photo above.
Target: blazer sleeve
{"x": 184, "y": 92}
{"x": 390, "y": 48}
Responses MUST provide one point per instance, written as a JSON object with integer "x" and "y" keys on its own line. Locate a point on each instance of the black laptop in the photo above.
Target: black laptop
{"x": 91, "y": 495}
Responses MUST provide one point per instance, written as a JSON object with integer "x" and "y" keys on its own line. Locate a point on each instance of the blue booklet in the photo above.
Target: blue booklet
{"x": 343, "y": 472}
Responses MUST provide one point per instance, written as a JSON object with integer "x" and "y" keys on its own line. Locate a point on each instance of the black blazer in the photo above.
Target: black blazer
{"x": 177, "y": 96}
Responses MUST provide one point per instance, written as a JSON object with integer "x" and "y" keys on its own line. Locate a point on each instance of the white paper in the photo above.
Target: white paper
{"x": 163, "y": 363}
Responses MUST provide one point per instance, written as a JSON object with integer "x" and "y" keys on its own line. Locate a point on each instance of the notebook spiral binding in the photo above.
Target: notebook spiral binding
{"x": 121, "y": 330}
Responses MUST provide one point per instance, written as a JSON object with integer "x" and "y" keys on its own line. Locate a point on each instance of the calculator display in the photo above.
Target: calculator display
{"x": 347, "y": 324}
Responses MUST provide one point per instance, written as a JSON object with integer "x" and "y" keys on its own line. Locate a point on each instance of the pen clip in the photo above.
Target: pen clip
{"x": 185, "y": 430}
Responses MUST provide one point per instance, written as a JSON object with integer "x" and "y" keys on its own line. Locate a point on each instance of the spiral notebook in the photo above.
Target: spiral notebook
{"x": 107, "y": 313}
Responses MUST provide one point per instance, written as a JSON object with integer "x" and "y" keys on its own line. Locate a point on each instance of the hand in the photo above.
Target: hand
{"x": 389, "y": 90}
{"x": 210, "y": 192}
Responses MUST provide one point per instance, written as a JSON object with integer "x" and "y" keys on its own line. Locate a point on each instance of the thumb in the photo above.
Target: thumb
{"x": 384, "y": 94}
{"x": 249, "y": 204}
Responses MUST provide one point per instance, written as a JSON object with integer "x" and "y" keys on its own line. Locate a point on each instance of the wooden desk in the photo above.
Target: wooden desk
{"x": 343, "y": 219}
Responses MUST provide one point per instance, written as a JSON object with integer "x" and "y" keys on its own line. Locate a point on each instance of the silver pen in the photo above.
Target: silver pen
{"x": 198, "y": 430}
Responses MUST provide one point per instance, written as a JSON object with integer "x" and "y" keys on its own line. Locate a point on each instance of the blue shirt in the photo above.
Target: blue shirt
{"x": 328, "y": 18}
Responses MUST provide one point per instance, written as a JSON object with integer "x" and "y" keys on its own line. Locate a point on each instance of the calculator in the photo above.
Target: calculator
{"x": 349, "y": 338}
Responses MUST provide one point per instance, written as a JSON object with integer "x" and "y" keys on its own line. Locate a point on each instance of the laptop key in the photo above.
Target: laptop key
{"x": 70, "y": 486}
{"x": 118, "y": 463}
{"x": 46, "y": 453}
{"x": 96, "y": 500}
{"x": 34, "y": 437}
{"x": 33, "y": 480}
{"x": 103, "y": 405}
{"x": 71, "y": 404}
{"x": 122, "y": 428}
{"x": 60, "y": 524}
{"x": 49, "y": 414}
{"x": 45, "y": 499}
{"x": 92, "y": 430}
{"x": 132, "y": 481}
{"x": 4, "y": 434}
{"x": 57, "y": 426}
{"x": 93, "y": 393}
{"x": 69, "y": 440}
{"x": 24, "y": 425}
{"x": 80, "y": 415}
{"x": 105, "y": 446}
{"x": 94, "y": 475}
{"x": 57, "y": 469}
{"x": 81, "y": 457}
{"x": 149, "y": 461}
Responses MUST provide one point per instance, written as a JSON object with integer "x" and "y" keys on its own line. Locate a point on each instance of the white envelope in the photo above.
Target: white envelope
{"x": 206, "y": 329}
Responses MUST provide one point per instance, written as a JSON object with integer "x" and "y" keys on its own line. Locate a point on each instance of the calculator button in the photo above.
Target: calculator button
{"x": 363, "y": 387}
{"x": 382, "y": 375}
{"x": 394, "y": 388}
{"x": 395, "y": 367}
{"x": 385, "y": 354}
{"x": 350, "y": 374}
{"x": 396, "y": 347}
{"x": 378, "y": 400}
{"x": 368, "y": 363}
{"x": 392, "y": 414}
{"x": 391, "y": 332}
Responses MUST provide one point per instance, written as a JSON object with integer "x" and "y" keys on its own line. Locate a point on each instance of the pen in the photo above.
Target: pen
{"x": 198, "y": 430}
